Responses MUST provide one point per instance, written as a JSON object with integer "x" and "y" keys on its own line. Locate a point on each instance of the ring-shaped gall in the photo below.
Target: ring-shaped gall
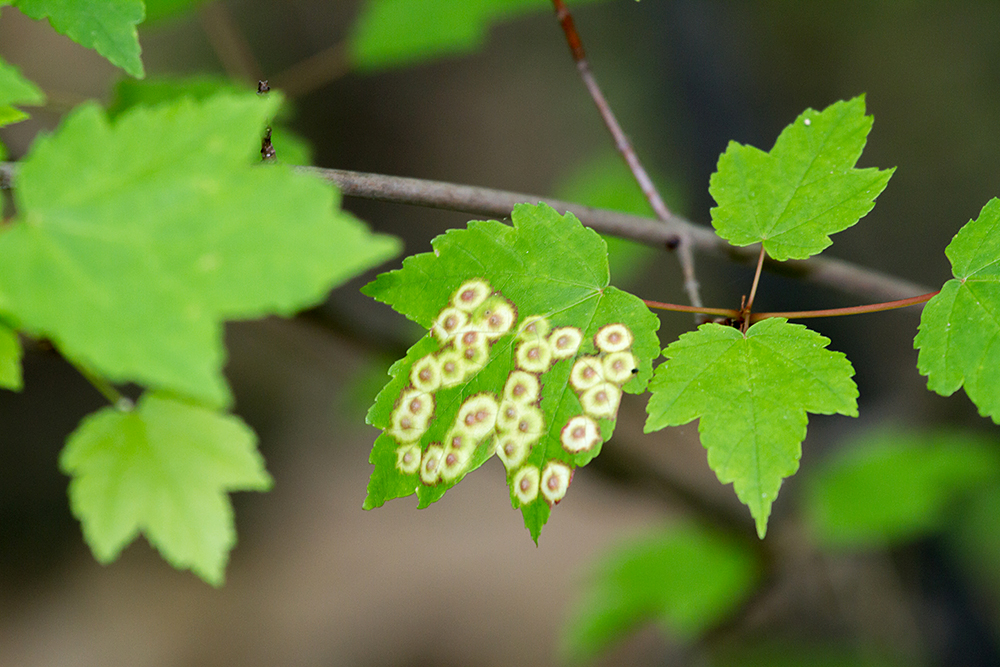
{"x": 555, "y": 481}
{"x": 580, "y": 434}
{"x": 525, "y": 484}
{"x": 613, "y": 338}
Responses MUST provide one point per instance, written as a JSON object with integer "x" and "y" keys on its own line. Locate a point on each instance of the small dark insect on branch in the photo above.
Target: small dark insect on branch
{"x": 262, "y": 87}
{"x": 267, "y": 151}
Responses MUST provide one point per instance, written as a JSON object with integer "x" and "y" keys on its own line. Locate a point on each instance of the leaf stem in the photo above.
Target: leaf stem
{"x": 745, "y": 313}
{"x": 624, "y": 146}
{"x": 852, "y": 310}
{"x": 105, "y": 388}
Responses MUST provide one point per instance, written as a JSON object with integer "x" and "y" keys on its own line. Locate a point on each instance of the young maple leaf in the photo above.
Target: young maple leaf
{"x": 528, "y": 354}
{"x": 170, "y": 228}
{"x": 959, "y": 338}
{"x": 162, "y": 469}
{"x": 751, "y": 393}
{"x": 804, "y": 189}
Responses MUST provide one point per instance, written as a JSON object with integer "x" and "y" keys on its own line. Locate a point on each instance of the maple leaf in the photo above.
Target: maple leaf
{"x": 15, "y": 89}
{"x": 751, "y": 393}
{"x": 528, "y": 354}
{"x": 168, "y": 230}
{"x": 162, "y": 469}
{"x": 959, "y": 337}
{"x": 804, "y": 189}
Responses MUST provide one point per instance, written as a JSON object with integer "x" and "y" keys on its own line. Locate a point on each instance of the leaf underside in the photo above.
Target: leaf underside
{"x": 528, "y": 354}
{"x": 752, "y": 394}
{"x": 804, "y": 189}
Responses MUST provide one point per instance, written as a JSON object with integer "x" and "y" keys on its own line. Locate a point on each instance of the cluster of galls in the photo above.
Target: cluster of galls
{"x": 467, "y": 328}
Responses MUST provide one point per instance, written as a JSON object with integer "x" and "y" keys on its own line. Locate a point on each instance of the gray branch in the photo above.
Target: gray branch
{"x": 840, "y": 275}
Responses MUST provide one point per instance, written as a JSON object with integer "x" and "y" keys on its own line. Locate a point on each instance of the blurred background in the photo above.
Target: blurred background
{"x": 315, "y": 580}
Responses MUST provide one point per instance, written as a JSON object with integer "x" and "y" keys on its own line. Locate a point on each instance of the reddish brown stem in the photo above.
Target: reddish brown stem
{"x": 852, "y": 310}
{"x": 795, "y": 314}
{"x": 745, "y": 310}
{"x": 624, "y": 146}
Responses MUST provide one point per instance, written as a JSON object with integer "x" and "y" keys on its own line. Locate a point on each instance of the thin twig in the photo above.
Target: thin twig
{"x": 314, "y": 72}
{"x": 624, "y": 146}
{"x": 229, "y": 44}
{"x": 832, "y": 273}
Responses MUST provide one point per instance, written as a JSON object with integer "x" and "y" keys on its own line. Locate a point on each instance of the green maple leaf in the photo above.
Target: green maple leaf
{"x": 168, "y": 230}
{"x": 290, "y": 148}
{"x": 804, "y": 189}
{"x": 528, "y": 353}
{"x": 751, "y": 393}
{"x": 392, "y": 33}
{"x": 162, "y": 469}
{"x": 15, "y": 89}
{"x": 107, "y": 26}
{"x": 959, "y": 338}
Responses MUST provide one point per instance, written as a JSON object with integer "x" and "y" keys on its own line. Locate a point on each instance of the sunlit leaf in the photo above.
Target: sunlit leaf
{"x": 804, "y": 189}
{"x": 171, "y": 227}
{"x": 751, "y": 393}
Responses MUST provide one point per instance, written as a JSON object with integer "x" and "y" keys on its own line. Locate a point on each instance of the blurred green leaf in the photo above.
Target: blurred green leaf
{"x": 684, "y": 578}
{"x": 16, "y": 90}
{"x": 159, "y": 10}
{"x": 894, "y": 486}
{"x": 172, "y": 226}
{"x": 393, "y": 33}
{"x": 10, "y": 359}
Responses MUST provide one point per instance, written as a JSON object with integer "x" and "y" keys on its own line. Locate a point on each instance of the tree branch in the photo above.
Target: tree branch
{"x": 834, "y": 273}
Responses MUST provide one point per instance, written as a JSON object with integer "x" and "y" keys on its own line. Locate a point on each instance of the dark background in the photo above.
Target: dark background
{"x": 315, "y": 580}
